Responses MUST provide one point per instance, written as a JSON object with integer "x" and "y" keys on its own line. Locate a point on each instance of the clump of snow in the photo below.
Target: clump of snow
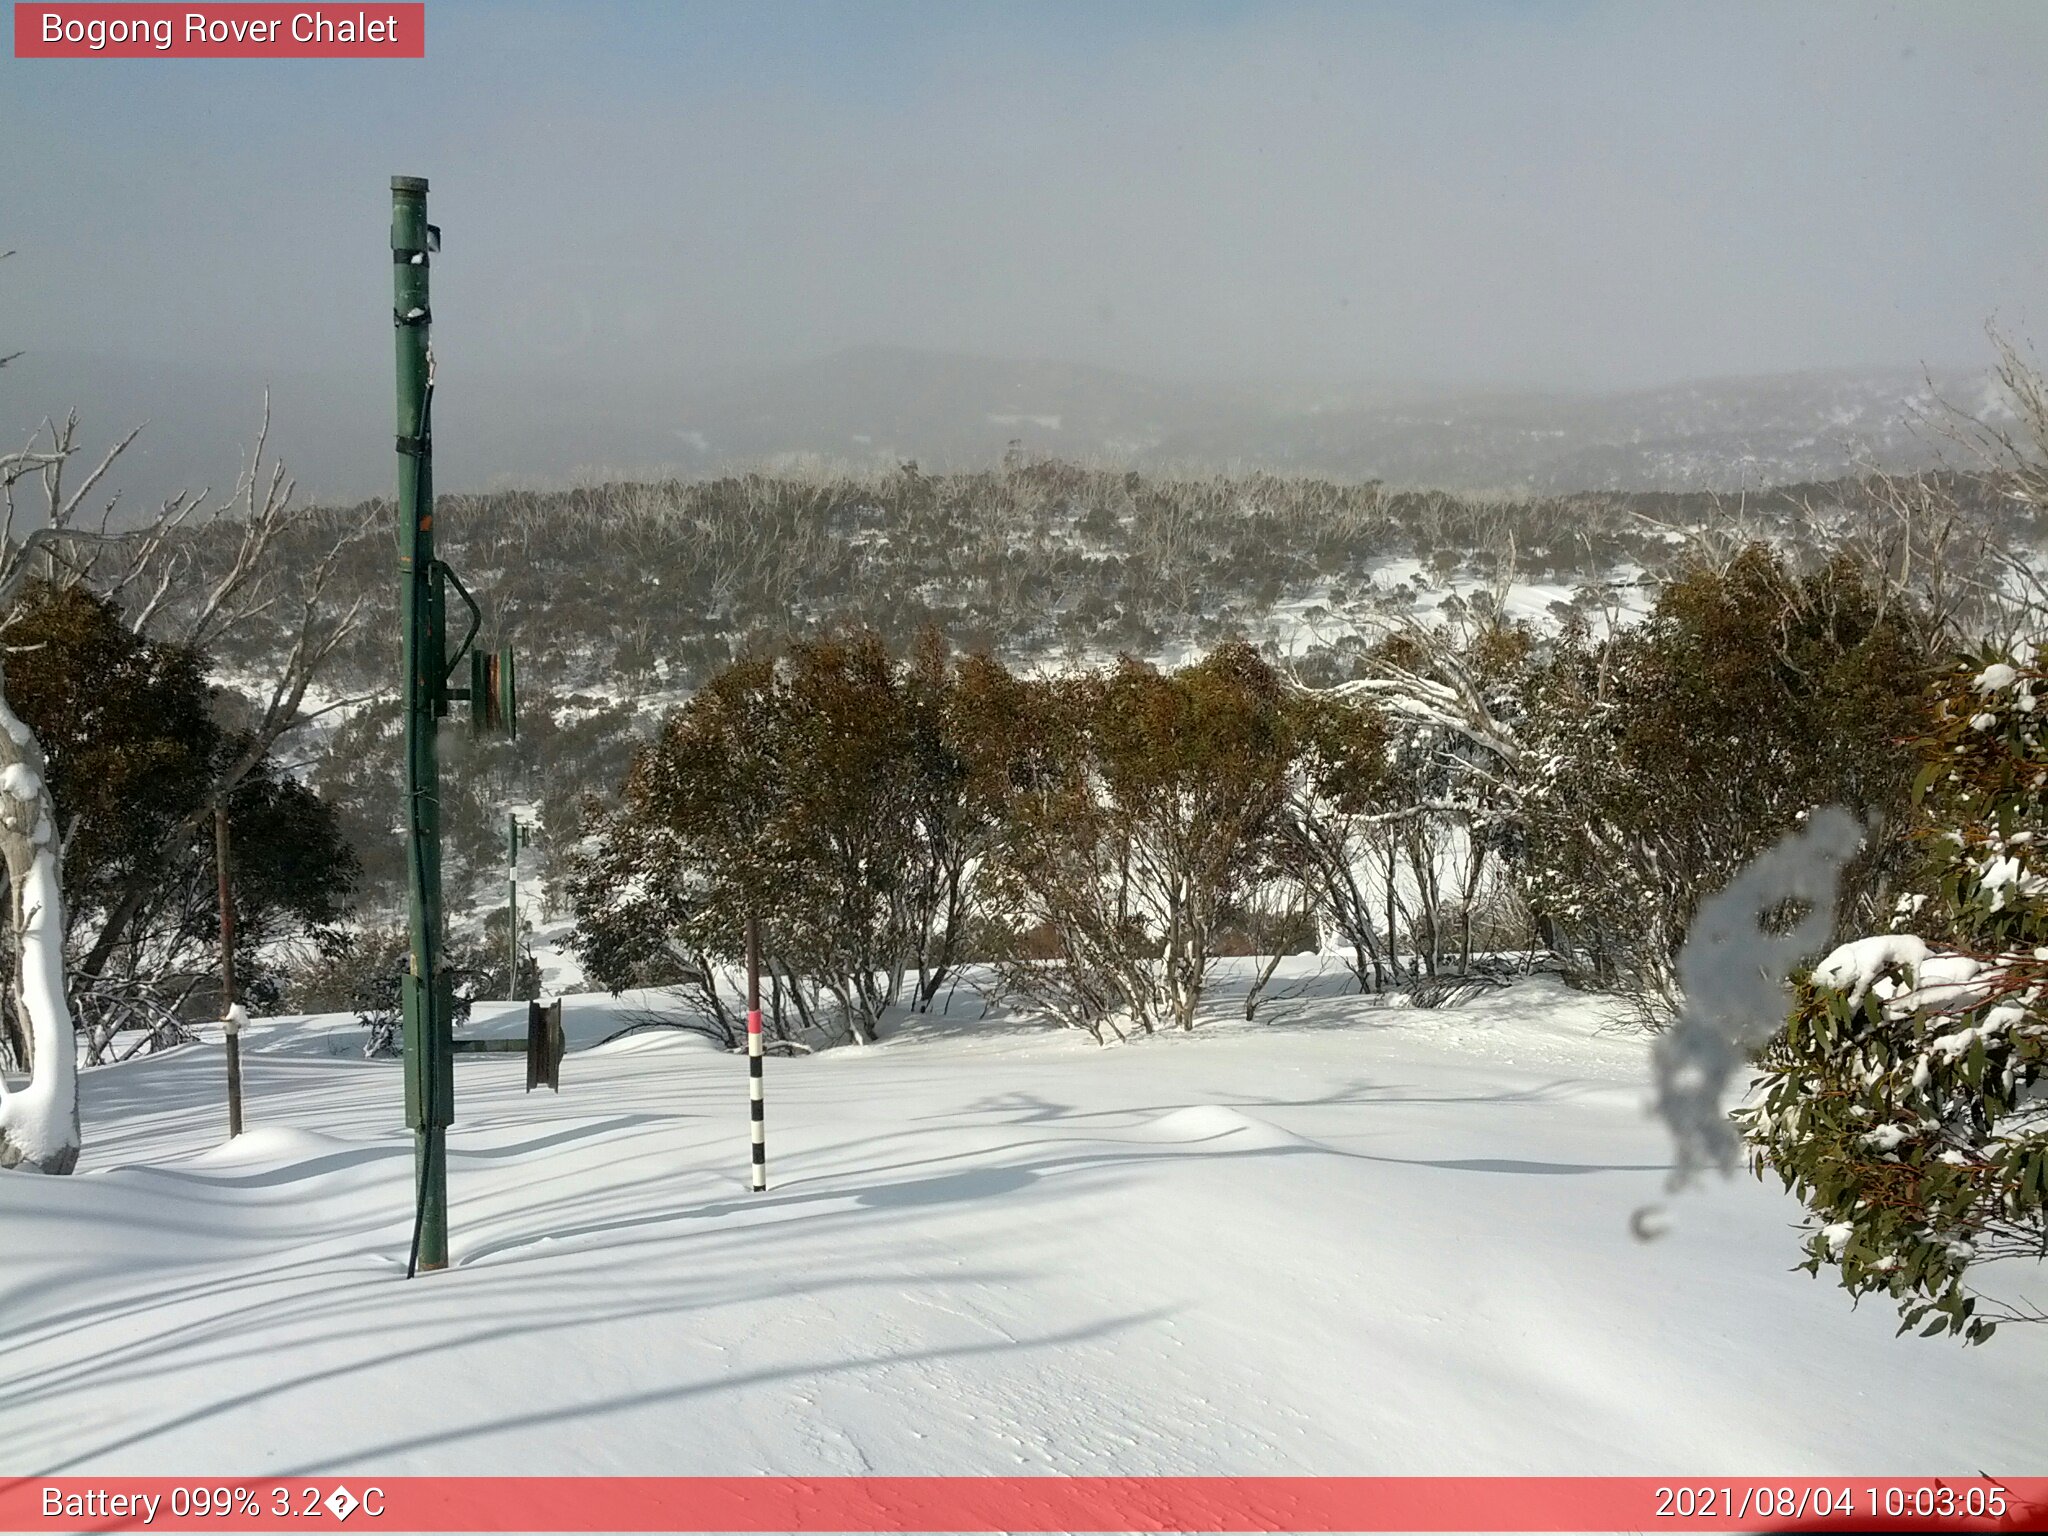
{"x": 1935, "y": 982}
{"x": 1860, "y": 964}
{"x": 2008, "y": 880}
{"x": 274, "y": 1144}
{"x": 17, "y": 730}
{"x": 39, "y": 1119}
{"x": 1216, "y": 1122}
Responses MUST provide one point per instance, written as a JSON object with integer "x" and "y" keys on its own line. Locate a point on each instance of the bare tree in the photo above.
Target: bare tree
{"x": 200, "y": 581}
{"x": 2014, "y": 594}
{"x": 1418, "y": 833}
{"x": 39, "y": 1120}
{"x": 161, "y": 573}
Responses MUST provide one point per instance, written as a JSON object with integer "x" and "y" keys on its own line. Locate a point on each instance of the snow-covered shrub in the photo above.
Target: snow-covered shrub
{"x": 822, "y": 791}
{"x": 1138, "y": 806}
{"x": 1658, "y": 761}
{"x": 362, "y": 975}
{"x": 644, "y": 913}
{"x": 1904, "y": 1104}
{"x": 1403, "y": 812}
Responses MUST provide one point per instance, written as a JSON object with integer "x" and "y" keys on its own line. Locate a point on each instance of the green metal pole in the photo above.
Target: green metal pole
{"x": 429, "y": 1040}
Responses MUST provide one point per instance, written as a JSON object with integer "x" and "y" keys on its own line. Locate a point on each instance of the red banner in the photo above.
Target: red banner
{"x": 1026, "y": 1504}
{"x": 371, "y": 30}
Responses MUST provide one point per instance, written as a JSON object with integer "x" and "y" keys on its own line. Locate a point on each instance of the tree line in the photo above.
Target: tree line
{"x": 1099, "y": 836}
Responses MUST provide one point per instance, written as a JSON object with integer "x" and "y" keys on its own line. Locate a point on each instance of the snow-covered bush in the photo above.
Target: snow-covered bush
{"x": 362, "y": 975}
{"x": 1403, "y": 814}
{"x": 645, "y": 916}
{"x": 1326, "y": 831}
{"x": 1904, "y": 1104}
{"x": 1660, "y": 760}
{"x": 821, "y": 791}
{"x": 1138, "y": 806}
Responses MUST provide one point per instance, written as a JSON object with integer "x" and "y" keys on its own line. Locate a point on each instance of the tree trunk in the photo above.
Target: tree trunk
{"x": 39, "y": 1120}
{"x": 1363, "y": 945}
{"x": 1469, "y": 896}
{"x": 1258, "y": 991}
{"x": 231, "y": 1007}
{"x": 1393, "y": 917}
{"x": 14, "y": 1047}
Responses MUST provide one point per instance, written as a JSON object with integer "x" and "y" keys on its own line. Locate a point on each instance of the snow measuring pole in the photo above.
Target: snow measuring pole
{"x": 757, "y": 1108}
{"x": 427, "y": 991}
{"x": 515, "y": 839}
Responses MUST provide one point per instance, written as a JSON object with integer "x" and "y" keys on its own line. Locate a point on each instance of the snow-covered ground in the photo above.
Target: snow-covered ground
{"x": 1350, "y": 1240}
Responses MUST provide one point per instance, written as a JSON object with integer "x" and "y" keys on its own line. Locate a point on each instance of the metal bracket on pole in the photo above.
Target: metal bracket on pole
{"x": 428, "y": 1104}
{"x": 443, "y": 571}
{"x": 544, "y": 1045}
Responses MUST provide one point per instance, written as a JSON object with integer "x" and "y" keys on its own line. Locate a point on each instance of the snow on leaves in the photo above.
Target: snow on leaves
{"x": 1903, "y": 1102}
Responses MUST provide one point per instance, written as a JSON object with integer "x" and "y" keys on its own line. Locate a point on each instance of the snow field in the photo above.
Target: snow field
{"x": 1353, "y": 1240}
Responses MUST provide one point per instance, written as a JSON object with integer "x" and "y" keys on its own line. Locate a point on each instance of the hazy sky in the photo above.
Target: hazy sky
{"x": 1584, "y": 195}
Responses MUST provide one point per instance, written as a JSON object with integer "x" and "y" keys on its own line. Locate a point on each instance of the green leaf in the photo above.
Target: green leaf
{"x": 1925, "y": 778}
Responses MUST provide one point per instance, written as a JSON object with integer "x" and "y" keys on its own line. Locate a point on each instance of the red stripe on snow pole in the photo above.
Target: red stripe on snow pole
{"x": 757, "y": 1109}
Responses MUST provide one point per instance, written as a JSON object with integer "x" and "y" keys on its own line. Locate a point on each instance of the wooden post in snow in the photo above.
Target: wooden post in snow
{"x": 231, "y": 1008}
{"x": 756, "y": 1107}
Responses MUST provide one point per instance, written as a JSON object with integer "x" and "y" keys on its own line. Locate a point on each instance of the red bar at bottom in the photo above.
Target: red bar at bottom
{"x": 972, "y": 1504}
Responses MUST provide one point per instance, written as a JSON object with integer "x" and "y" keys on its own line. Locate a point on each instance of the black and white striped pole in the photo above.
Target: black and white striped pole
{"x": 757, "y": 1107}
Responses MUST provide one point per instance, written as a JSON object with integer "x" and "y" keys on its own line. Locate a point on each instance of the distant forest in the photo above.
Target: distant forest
{"x": 622, "y": 599}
